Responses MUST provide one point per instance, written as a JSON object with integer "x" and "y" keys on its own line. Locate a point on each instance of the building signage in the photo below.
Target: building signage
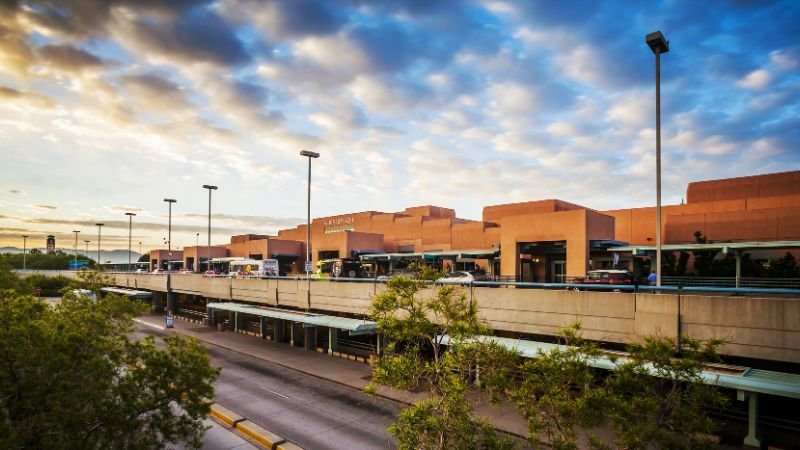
{"x": 340, "y": 224}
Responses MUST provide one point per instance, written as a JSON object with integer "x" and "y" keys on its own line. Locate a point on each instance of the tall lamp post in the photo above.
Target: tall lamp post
{"x": 24, "y": 249}
{"x": 208, "y": 248}
{"x": 87, "y": 246}
{"x": 130, "y": 230}
{"x": 197, "y": 252}
{"x": 76, "y": 248}
{"x": 658, "y": 44}
{"x": 99, "y": 227}
{"x": 310, "y": 155}
{"x": 169, "y": 201}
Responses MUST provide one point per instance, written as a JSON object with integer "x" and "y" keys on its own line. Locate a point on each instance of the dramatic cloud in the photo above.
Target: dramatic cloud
{"x": 108, "y": 107}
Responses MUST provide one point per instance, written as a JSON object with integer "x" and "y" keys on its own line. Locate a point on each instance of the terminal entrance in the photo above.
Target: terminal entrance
{"x": 542, "y": 262}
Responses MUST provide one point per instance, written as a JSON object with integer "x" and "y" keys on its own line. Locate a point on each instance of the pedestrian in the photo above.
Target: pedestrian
{"x": 651, "y": 279}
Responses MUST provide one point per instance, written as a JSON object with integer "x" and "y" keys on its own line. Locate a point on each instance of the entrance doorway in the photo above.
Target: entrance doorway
{"x": 559, "y": 272}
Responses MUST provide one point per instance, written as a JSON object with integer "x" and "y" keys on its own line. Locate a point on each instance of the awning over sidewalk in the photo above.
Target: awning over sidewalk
{"x": 733, "y": 377}
{"x": 432, "y": 255}
{"x": 354, "y": 326}
{"x": 128, "y": 292}
{"x": 723, "y": 246}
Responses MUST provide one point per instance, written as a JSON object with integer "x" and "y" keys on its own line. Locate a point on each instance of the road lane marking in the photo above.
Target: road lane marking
{"x": 276, "y": 393}
{"x": 157, "y": 327}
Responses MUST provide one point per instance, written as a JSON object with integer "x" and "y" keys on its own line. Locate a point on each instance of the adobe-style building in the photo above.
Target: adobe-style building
{"x": 544, "y": 240}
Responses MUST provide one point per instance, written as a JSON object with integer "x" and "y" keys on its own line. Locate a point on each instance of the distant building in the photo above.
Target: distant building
{"x": 51, "y": 244}
{"x": 545, "y": 240}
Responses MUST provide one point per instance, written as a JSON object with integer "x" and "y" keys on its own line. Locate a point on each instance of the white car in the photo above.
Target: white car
{"x": 461, "y": 277}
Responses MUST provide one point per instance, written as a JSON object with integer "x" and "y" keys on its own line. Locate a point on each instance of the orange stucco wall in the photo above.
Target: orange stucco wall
{"x": 775, "y": 184}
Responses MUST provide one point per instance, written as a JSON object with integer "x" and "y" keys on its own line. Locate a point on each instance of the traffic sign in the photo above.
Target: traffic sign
{"x": 308, "y": 266}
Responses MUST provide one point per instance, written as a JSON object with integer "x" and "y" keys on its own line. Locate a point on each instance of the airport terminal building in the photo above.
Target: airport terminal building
{"x": 538, "y": 241}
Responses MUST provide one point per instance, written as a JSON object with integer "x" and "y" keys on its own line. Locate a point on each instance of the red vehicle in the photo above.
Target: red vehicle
{"x": 605, "y": 276}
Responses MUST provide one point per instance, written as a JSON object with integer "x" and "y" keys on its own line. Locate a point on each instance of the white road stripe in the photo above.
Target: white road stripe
{"x": 148, "y": 324}
{"x": 276, "y": 393}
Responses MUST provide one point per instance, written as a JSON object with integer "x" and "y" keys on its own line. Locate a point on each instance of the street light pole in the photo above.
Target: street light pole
{"x": 130, "y": 229}
{"x": 87, "y": 247}
{"x": 310, "y": 155}
{"x": 24, "y": 249}
{"x": 99, "y": 227}
{"x": 658, "y": 44}
{"x": 76, "y": 248}
{"x": 197, "y": 252}
{"x": 208, "y": 248}
{"x": 169, "y": 201}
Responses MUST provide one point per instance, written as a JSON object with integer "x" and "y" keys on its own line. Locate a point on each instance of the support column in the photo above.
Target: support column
{"x": 291, "y": 335}
{"x": 261, "y": 327}
{"x": 331, "y": 337}
{"x": 172, "y": 306}
{"x": 751, "y": 440}
{"x": 156, "y": 305}
{"x": 738, "y": 269}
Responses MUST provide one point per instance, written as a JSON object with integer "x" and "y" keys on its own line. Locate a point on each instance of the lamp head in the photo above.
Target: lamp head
{"x": 99, "y": 224}
{"x": 170, "y": 200}
{"x": 210, "y": 187}
{"x": 130, "y": 214}
{"x": 310, "y": 154}
{"x": 657, "y": 42}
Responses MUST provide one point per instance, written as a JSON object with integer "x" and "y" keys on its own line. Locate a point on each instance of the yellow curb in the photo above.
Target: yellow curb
{"x": 289, "y": 446}
{"x": 259, "y": 434}
{"x": 225, "y": 415}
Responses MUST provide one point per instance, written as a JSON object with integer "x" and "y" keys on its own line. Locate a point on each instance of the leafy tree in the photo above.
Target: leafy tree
{"x": 10, "y": 280}
{"x": 785, "y": 267}
{"x": 50, "y": 286}
{"x": 42, "y": 261}
{"x": 657, "y": 397}
{"x": 70, "y": 378}
{"x": 415, "y": 326}
{"x": 559, "y": 393}
{"x": 145, "y": 257}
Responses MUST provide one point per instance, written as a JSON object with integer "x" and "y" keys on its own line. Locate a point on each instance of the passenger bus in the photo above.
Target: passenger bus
{"x": 256, "y": 268}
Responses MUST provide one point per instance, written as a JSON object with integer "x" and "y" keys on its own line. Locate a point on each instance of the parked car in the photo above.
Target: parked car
{"x": 401, "y": 272}
{"x": 605, "y": 276}
{"x": 185, "y": 271}
{"x": 462, "y": 277}
{"x": 211, "y": 273}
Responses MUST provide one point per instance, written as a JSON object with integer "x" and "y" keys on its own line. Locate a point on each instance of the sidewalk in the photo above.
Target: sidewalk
{"x": 345, "y": 372}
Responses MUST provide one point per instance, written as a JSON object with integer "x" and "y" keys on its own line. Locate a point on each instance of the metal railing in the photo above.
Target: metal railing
{"x": 730, "y": 282}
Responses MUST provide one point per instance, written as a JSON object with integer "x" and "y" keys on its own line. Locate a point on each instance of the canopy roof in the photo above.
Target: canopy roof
{"x": 128, "y": 292}
{"x": 355, "y": 326}
{"x": 724, "y": 246}
{"x": 734, "y": 377}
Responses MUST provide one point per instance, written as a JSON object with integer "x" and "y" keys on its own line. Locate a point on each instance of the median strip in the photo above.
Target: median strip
{"x": 254, "y": 432}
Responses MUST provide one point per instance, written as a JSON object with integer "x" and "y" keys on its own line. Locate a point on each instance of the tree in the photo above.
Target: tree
{"x": 70, "y": 377}
{"x": 560, "y": 395}
{"x": 145, "y": 257}
{"x": 415, "y": 326}
{"x": 657, "y": 397}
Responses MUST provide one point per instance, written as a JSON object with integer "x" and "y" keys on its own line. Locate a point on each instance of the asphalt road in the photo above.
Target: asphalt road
{"x": 313, "y": 413}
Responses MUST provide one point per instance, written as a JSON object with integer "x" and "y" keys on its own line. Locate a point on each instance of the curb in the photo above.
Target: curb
{"x": 256, "y": 433}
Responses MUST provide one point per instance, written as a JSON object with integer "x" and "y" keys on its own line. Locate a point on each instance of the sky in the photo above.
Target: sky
{"x": 109, "y": 107}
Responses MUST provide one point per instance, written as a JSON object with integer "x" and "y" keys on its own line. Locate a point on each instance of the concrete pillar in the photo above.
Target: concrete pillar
{"x": 310, "y": 338}
{"x": 331, "y": 338}
{"x": 262, "y": 328}
{"x": 751, "y": 440}
{"x": 291, "y": 335}
{"x": 172, "y": 303}
{"x": 156, "y": 305}
{"x": 738, "y": 269}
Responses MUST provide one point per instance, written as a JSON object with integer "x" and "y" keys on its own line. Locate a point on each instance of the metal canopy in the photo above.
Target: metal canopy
{"x": 471, "y": 253}
{"x": 128, "y": 292}
{"x": 747, "y": 379}
{"x": 714, "y": 246}
{"x": 355, "y": 326}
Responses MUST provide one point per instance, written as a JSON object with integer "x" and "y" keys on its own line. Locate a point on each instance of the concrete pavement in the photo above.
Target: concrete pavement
{"x": 345, "y": 372}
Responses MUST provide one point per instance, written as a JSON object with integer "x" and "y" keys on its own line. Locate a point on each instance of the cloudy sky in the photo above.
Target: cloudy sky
{"x": 111, "y": 106}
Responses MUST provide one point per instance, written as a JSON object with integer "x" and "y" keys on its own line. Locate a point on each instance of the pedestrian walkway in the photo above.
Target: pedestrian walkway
{"x": 349, "y": 373}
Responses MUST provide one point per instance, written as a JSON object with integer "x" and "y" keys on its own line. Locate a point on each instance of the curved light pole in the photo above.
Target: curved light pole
{"x": 658, "y": 44}
{"x": 208, "y": 248}
{"x": 169, "y": 201}
{"x": 99, "y": 226}
{"x": 24, "y": 249}
{"x": 310, "y": 155}
{"x": 76, "y": 248}
{"x": 130, "y": 229}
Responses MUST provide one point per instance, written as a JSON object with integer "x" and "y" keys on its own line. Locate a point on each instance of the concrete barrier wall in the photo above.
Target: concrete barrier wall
{"x": 604, "y": 316}
{"x": 764, "y": 328}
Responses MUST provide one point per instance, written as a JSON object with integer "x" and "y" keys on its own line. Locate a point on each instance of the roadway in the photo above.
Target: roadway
{"x": 311, "y": 412}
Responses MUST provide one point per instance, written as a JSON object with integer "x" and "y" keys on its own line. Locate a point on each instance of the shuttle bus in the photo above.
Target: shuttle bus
{"x": 256, "y": 268}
